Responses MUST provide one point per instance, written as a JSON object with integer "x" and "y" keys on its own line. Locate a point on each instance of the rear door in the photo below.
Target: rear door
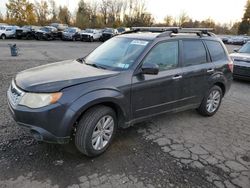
{"x": 196, "y": 66}
{"x": 153, "y": 94}
{"x": 219, "y": 58}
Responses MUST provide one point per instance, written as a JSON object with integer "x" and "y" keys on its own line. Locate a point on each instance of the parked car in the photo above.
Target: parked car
{"x": 128, "y": 79}
{"x": 108, "y": 33}
{"x": 46, "y": 33}
{"x": 59, "y": 26}
{"x": 122, "y": 30}
{"x": 238, "y": 40}
{"x": 26, "y": 32}
{"x": 71, "y": 33}
{"x": 7, "y": 31}
{"x": 225, "y": 38}
{"x": 91, "y": 35}
{"x": 241, "y": 59}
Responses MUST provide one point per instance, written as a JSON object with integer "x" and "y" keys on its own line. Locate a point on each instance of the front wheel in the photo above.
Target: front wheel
{"x": 96, "y": 131}
{"x": 3, "y": 36}
{"x": 211, "y": 102}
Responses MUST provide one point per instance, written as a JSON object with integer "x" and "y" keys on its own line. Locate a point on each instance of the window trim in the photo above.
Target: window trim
{"x": 208, "y": 58}
{"x": 158, "y": 43}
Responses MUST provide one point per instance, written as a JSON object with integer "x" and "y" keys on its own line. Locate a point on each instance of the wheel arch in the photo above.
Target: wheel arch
{"x": 116, "y": 107}
{"x": 110, "y": 98}
{"x": 222, "y": 86}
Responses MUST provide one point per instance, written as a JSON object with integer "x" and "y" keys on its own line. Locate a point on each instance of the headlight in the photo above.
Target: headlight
{"x": 38, "y": 100}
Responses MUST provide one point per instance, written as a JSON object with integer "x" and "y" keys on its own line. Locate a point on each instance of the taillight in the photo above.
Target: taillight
{"x": 231, "y": 66}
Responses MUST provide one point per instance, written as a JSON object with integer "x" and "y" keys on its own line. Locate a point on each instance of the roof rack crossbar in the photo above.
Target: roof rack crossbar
{"x": 199, "y": 31}
{"x": 168, "y": 31}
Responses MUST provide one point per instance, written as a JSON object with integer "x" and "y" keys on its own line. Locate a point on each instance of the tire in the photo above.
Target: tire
{"x": 91, "y": 39}
{"x": 85, "y": 140}
{"x": 3, "y": 36}
{"x": 209, "y": 110}
{"x": 28, "y": 37}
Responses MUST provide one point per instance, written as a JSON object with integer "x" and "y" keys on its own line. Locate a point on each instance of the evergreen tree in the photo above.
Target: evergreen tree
{"x": 244, "y": 27}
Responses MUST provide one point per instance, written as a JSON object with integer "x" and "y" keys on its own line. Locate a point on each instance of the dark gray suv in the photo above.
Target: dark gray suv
{"x": 128, "y": 79}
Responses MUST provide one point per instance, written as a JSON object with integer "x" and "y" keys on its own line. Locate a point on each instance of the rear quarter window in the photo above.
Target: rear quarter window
{"x": 216, "y": 50}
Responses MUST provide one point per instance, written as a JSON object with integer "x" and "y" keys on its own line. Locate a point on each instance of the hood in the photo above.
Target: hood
{"x": 41, "y": 31}
{"x": 240, "y": 56}
{"x": 56, "y": 76}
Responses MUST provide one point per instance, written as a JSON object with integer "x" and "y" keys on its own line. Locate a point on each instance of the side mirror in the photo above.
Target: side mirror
{"x": 236, "y": 49}
{"x": 150, "y": 68}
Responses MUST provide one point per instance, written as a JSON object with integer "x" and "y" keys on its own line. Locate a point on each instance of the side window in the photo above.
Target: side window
{"x": 216, "y": 50}
{"x": 194, "y": 52}
{"x": 164, "y": 54}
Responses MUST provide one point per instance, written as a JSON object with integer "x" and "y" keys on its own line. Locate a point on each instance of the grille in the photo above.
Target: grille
{"x": 85, "y": 36}
{"x": 14, "y": 94}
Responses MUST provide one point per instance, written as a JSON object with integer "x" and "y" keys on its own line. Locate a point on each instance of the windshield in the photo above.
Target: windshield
{"x": 89, "y": 31}
{"x": 245, "y": 48}
{"x": 70, "y": 30}
{"x": 45, "y": 29}
{"x": 117, "y": 53}
{"x": 108, "y": 30}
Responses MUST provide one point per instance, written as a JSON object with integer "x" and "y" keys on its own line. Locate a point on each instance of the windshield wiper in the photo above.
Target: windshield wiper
{"x": 96, "y": 65}
{"x": 81, "y": 60}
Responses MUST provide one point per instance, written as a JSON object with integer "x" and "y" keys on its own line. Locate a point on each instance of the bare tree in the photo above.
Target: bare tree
{"x": 183, "y": 17}
{"x": 53, "y": 10}
{"x": 104, "y": 10}
{"x": 169, "y": 20}
{"x": 42, "y": 12}
{"x": 64, "y": 15}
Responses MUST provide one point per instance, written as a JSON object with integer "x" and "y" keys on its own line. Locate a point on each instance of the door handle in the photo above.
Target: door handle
{"x": 176, "y": 77}
{"x": 210, "y": 70}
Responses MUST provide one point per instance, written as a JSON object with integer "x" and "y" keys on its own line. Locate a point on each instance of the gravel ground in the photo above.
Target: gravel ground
{"x": 181, "y": 150}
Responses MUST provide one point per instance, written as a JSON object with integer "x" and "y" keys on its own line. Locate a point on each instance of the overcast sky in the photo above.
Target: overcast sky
{"x": 223, "y": 11}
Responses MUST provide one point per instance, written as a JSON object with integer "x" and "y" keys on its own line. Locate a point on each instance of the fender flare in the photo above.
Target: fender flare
{"x": 93, "y": 98}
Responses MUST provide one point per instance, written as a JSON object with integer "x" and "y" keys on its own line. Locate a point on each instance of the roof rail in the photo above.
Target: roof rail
{"x": 199, "y": 31}
{"x": 168, "y": 31}
{"x": 152, "y": 29}
{"x": 155, "y": 29}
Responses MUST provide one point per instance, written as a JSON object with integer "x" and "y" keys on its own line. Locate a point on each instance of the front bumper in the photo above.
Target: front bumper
{"x": 50, "y": 124}
{"x": 66, "y": 37}
{"x": 242, "y": 72}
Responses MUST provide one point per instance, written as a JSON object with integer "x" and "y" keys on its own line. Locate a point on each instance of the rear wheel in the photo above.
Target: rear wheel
{"x": 96, "y": 130}
{"x": 211, "y": 102}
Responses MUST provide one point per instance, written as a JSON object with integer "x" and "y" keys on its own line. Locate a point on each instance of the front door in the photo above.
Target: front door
{"x": 153, "y": 94}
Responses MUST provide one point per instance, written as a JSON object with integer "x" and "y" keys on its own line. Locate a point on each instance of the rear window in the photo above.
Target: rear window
{"x": 216, "y": 50}
{"x": 194, "y": 52}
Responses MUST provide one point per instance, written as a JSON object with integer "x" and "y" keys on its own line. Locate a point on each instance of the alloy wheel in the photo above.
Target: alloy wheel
{"x": 103, "y": 132}
{"x": 213, "y": 101}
